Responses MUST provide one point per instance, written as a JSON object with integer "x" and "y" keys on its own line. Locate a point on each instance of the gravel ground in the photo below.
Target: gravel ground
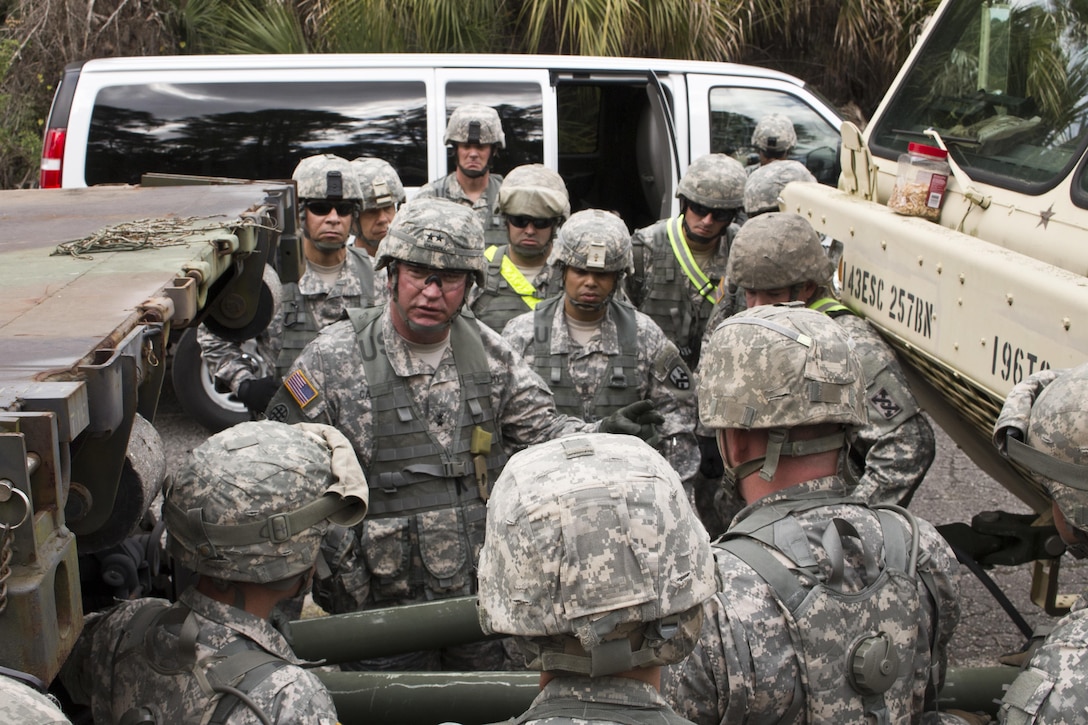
{"x": 954, "y": 490}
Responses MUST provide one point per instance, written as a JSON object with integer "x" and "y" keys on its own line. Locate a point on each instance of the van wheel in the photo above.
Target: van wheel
{"x": 196, "y": 391}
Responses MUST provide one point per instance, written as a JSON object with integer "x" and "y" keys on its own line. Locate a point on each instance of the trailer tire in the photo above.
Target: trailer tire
{"x": 196, "y": 391}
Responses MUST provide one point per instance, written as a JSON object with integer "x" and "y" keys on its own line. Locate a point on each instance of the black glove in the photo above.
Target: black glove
{"x": 255, "y": 393}
{"x": 637, "y": 419}
{"x": 711, "y": 464}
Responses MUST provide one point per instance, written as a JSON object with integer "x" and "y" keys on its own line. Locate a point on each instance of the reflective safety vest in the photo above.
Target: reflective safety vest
{"x": 830, "y": 307}
{"x": 861, "y": 655}
{"x": 299, "y": 324}
{"x": 410, "y": 472}
{"x": 676, "y": 279}
{"x": 618, "y": 386}
{"x": 506, "y": 294}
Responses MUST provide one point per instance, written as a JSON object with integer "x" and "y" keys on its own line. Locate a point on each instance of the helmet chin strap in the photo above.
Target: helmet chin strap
{"x": 326, "y": 247}
{"x": 778, "y": 445}
{"x": 697, "y": 238}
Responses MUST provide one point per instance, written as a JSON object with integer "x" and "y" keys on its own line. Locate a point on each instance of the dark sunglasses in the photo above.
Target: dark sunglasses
{"x": 718, "y": 215}
{"x": 324, "y": 208}
{"x": 523, "y": 221}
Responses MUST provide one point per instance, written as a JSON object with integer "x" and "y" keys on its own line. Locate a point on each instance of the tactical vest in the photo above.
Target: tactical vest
{"x": 618, "y": 386}
{"x": 858, "y": 653}
{"x": 410, "y": 472}
{"x": 491, "y": 194}
{"x": 237, "y": 668}
{"x": 670, "y": 301}
{"x": 506, "y": 292}
{"x": 830, "y": 307}
{"x": 299, "y": 324}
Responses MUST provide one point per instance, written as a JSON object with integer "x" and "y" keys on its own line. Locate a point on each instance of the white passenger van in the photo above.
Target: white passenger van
{"x": 619, "y": 130}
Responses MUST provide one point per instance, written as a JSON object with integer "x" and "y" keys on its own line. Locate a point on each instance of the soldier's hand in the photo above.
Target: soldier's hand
{"x": 255, "y": 393}
{"x": 637, "y": 419}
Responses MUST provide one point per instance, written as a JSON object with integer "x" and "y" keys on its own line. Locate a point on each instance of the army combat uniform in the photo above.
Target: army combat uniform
{"x": 613, "y": 370}
{"x": 24, "y": 705}
{"x": 599, "y": 701}
{"x": 449, "y": 188}
{"x": 111, "y": 668}
{"x": 748, "y": 664}
{"x": 507, "y": 293}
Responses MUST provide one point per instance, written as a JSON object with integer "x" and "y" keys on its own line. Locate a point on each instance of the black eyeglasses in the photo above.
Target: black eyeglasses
{"x": 324, "y": 208}
{"x": 718, "y": 215}
{"x": 523, "y": 221}
{"x": 419, "y": 276}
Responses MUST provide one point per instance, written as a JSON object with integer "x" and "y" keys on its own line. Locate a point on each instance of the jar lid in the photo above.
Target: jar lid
{"x": 922, "y": 149}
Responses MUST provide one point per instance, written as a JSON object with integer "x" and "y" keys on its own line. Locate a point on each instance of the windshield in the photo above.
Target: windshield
{"x": 1006, "y": 86}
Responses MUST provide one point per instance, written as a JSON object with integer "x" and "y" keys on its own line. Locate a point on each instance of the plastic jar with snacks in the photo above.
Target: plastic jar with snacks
{"x": 920, "y": 182}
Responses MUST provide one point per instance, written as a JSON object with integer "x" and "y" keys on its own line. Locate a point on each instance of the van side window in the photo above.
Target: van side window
{"x": 253, "y": 130}
{"x": 734, "y": 113}
{"x": 521, "y": 108}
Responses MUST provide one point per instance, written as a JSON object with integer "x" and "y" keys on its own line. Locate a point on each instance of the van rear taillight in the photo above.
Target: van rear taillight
{"x": 52, "y": 155}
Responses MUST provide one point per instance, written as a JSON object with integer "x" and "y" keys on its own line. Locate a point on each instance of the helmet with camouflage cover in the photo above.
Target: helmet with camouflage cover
{"x": 436, "y": 232}
{"x": 475, "y": 123}
{"x": 595, "y": 240}
{"x": 775, "y": 251}
{"x": 251, "y": 503}
{"x": 326, "y": 176}
{"x": 534, "y": 190}
{"x": 379, "y": 183}
{"x": 715, "y": 181}
{"x": 1044, "y": 427}
{"x": 778, "y": 367}
{"x": 592, "y": 545}
{"x": 766, "y": 183}
{"x": 774, "y": 135}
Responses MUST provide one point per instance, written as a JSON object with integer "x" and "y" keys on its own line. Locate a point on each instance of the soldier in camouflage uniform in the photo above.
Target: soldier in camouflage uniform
{"x": 773, "y": 138}
{"x": 766, "y": 183}
{"x": 475, "y": 135}
{"x": 679, "y": 262}
{"x": 598, "y": 353}
{"x": 829, "y": 610}
{"x": 534, "y": 202}
{"x": 383, "y": 193}
{"x": 433, "y": 402}
{"x": 246, "y": 513}
{"x": 24, "y": 705}
{"x": 334, "y": 280}
{"x": 778, "y": 257}
{"x": 1044, "y": 427}
{"x": 596, "y": 563}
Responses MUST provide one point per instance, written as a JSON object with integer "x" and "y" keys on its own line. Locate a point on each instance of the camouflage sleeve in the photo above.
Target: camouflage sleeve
{"x": 307, "y": 394}
{"x": 1016, "y": 412}
{"x": 697, "y": 687}
{"x": 229, "y": 364}
{"x": 671, "y": 387}
{"x": 345, "y": 586}
{"x": 1055, "y": 683}
{"x": 637, "y": 283}
{"x": 938, "y": 564}
{"x": 289, "y": 695}
{"x": 519, "y": 334}
{"x": 427, "y": 191}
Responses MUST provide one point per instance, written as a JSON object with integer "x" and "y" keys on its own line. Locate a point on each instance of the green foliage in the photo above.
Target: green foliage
{"x": 241, "y": 26}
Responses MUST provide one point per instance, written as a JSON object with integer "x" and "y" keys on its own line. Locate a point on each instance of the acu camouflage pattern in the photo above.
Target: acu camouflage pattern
{"x": 747, "y": 665}
{"x": 1053, "y": 687}
{"x": 23, "y": 705}
{"x": 536, "y": 191}
{"x": 661, "y": 375}
{"x": 780, "y": 367}
{"x": 766, "y": 183}
{"x": 588, "y": 533}
{"x": 775, "y": 133}
{"x": 152, "y": 676}
{"x": 379, "y": 183}
{"x": 568, "y": 700}
{"x": 312, "y": 177}
{"x": 250, "y": 473}
{"x": 1048, "y": 411}
{"x": 436, "y": 233}
{"x": 475, "y": 123}
{"x": 594, "y": 240}
{"x": 715, "y": 181}
{"x": 777, "y": 250}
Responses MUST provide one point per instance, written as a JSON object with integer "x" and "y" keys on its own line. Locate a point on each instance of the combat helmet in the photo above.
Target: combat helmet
{"x": 251, "y": 503}
{"x": 775, "y": 251}
{"x": 474, "y": 123}
{"x": 596, "y": 240}
{"x": 715, "y": 181}
{"x": 438, "y": 233}
{"x": 766, "y": 183}
{"x": 778, "y": 367}
{"x": 1044, "y": 427}
{"x": 379, "y": 184}
{"x": 591, "y": 541}
{"x": 326, "y": 176}
{"x": 533, "y": 190}
{"x": 774, "y": 135}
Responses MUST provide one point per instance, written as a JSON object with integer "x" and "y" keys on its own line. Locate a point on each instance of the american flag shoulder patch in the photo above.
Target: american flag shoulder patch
{"x": 300, "y": 388}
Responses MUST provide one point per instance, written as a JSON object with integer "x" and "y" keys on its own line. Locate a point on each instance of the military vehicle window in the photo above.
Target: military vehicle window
{"x": 734, "y": 113}
{"x": 521, "y": 108}
{"x": 1005, "y": 85}
{"x": 579, "y": 110}
{"x": 253, "y": 130}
